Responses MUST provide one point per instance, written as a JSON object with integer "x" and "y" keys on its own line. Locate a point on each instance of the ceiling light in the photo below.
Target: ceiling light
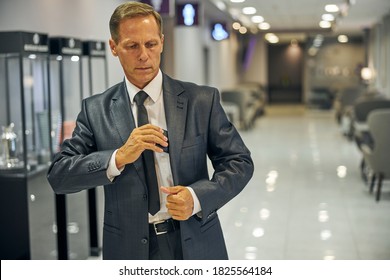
{"x": 249, "y": 11}
{"x": 264, "y": 26}
{"x": 257, "y": 19}
{"x": 273, "y": 39}
{"x": 325, "y": 24}
{"x": 328, "y": 17}
{"x": 332, "y": 8}
{"x": 236, "y": 25}
{"x": 366, "y": 74}
{"x": 342, "y": 38}
{"x": 258, "y": 232}
{"x": 243, "y": 30}
{"x": 75, "y": 58}
{"x": 237, "y": 1}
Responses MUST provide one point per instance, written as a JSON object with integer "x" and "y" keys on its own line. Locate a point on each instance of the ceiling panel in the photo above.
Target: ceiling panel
{"x": 304, "y": 15}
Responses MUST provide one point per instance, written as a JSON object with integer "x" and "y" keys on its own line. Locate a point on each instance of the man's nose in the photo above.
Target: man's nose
{"x": 143, "y": 55}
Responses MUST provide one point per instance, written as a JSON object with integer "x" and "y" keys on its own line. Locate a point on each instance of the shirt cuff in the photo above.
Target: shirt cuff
{"x": 112, "y": 170}
{"x": 197, "y": 207}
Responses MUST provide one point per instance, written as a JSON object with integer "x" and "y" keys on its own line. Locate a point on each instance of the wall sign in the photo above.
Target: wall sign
{"x": 219, "y": 31}
{"x": 187, "y": 14}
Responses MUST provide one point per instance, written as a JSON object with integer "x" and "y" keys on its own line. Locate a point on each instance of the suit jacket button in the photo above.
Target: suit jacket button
{"x": 144, "y": 241}
{"x": 145, "y": 197}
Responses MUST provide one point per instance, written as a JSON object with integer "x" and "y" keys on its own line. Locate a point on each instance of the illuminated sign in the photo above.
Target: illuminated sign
{"x": 219, "y": 31}
{"x": 187, "y": 14}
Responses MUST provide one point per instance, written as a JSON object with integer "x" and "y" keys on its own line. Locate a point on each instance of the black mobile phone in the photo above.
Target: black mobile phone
{"x": 165, "y": 149}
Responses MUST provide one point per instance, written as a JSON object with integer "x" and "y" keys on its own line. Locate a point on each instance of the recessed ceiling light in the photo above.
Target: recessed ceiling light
{"x": 236, "y": 25}
{"x": 249, "y": 10}
{"x": 328, "y": 17}
{"x": 332, "y": 8}
{"x": 272, "y": 38}
{"x": 257, "y": 19}
{"x": 243, "y": 30}
{"x": 342, "y": 38}
{"x": 237, "y": 1}
{"x": 325, "y": 24}
{"x": 264, "y": 26}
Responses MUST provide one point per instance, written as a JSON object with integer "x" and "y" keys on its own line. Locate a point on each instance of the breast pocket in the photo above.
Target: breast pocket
{"x": 193, "y": 157}
{"x": 194, "y": 141}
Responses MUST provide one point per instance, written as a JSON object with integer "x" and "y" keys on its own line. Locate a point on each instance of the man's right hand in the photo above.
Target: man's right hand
{"x": 141, "y": 138}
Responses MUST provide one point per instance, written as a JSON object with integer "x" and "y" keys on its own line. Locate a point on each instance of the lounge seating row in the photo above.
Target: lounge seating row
{"x": 244, "y": 104}
{"x": 365, "y": 119}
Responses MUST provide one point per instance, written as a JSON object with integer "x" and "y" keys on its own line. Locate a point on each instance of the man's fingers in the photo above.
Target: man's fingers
{"x": 170, "y": 190}
{"x": 147, "y": 137}
{"x": 179, "y": 202}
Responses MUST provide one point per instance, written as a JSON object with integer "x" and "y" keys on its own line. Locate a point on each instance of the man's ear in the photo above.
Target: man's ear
{"x": 162, "y": 42}
{"x": 113, "y": 47}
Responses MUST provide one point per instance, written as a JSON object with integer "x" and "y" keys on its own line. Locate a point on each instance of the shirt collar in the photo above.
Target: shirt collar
{"x": 153, "y": 89}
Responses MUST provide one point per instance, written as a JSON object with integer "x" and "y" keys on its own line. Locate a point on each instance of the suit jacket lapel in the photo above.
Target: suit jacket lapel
{"x": 121, "y": 113}
{"x": 175, "y": 112}
{"x": 124, "y": 120}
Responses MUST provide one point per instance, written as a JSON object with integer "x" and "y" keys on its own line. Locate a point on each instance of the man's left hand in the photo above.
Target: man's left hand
{"x": 180, "y": 203}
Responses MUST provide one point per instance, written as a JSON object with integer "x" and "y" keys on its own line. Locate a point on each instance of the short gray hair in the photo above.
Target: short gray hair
{"x": 132, "y": 9}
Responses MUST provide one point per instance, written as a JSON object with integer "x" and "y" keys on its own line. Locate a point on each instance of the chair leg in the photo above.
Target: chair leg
{"x": 378, "y": 190}
{"x": 363, "y": 170}
{"x": 372, "y": 184}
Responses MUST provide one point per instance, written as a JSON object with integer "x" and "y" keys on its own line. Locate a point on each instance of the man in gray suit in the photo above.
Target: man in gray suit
{"x": 186, "y": 125}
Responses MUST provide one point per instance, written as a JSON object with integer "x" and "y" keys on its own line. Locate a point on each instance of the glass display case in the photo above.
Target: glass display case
{"x": 25, "y": 110}
{"x": 95, "y": 67}
{"x": 95, "y": 80}
{"x": 27, "y": 200}
{"x": 66, "y": 93}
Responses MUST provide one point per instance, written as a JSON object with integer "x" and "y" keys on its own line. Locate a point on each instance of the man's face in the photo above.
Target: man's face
{"x": 139, "y": 48}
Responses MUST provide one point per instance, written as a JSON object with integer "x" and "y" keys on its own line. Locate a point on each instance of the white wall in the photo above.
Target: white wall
{"x": 189, "y": 59}
{"x": 258, "y": 67}
{"x": 223, "y": 63}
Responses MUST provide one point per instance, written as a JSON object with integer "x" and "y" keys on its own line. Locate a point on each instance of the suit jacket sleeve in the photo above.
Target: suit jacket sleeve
{"x": 233, "y": 166}
{"x": 79, "y": 165}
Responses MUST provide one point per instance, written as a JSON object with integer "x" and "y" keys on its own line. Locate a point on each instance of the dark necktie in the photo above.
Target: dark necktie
{"x": 147, "y": 156}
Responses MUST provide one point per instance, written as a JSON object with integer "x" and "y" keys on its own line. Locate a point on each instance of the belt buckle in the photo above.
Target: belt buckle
{"x": 155, "y": 228}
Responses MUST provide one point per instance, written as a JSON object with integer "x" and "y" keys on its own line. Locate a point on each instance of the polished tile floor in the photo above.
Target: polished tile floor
{"x": 306, "y": 199}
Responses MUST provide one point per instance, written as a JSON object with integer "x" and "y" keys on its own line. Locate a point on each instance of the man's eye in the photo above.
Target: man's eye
{"x": 151, "y": 45}
{"x": 131, "y": 46}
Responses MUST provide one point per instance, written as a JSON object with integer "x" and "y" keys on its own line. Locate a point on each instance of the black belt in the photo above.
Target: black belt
{"x": 163, "y": 227}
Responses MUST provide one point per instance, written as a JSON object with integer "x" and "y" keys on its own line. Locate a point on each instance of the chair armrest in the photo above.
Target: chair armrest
{"x": 366, "y": 149}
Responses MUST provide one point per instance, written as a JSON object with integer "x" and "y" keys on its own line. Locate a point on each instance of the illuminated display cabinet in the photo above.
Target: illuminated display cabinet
{"x": 95, "y": 80}
{"x": 66, "y": 92}
{"x": 27, "y": 214}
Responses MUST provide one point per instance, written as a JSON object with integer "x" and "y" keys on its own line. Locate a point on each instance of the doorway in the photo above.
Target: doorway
{"x": 285, "y": 73}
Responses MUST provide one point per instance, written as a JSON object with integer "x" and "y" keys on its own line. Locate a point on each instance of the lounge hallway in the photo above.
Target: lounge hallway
{"x": 306, "y": 199}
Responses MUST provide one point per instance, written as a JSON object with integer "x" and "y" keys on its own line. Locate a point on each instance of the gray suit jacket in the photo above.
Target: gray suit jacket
{"x": 198, "y": 128}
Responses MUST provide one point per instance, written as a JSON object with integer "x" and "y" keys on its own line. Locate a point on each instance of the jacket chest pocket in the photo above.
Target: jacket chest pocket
{"x": 193, "y": 163}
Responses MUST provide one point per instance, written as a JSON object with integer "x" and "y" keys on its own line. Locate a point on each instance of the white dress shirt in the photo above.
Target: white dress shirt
{"x": 154, "y": 105}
